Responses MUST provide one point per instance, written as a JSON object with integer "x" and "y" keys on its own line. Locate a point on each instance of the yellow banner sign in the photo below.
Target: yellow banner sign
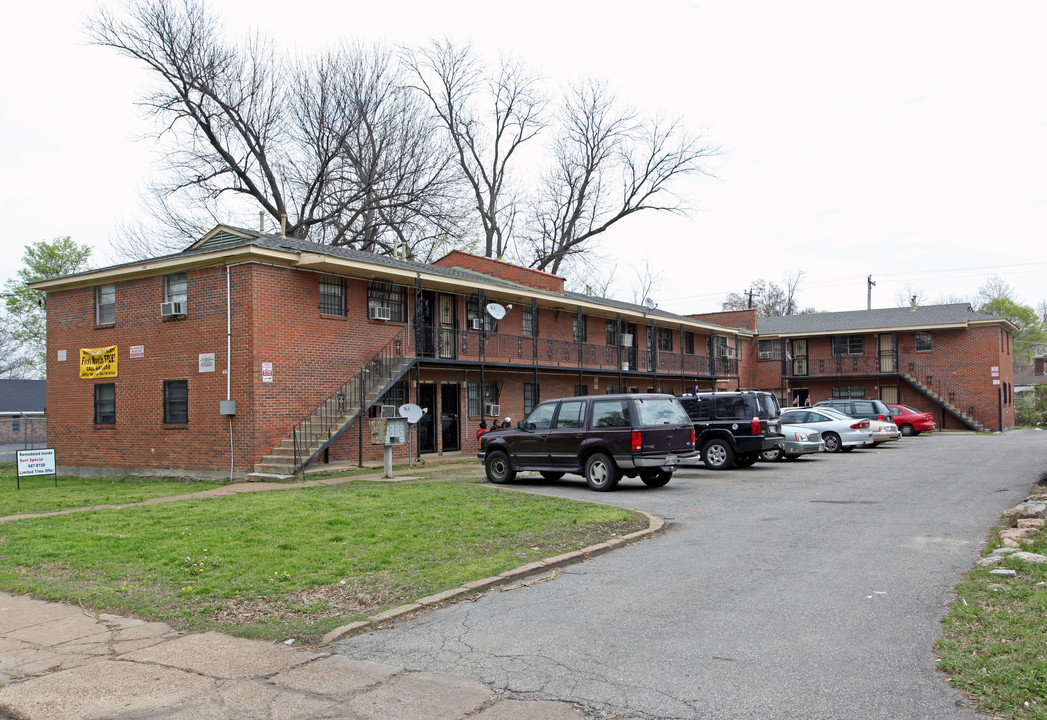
{"x": 98, "y": 362}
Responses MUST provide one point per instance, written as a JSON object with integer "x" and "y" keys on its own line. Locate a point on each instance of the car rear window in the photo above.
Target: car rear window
{"x": 611, "y": 413}
{"x": 660, "y": 411}
{"x": 768, "y": 406}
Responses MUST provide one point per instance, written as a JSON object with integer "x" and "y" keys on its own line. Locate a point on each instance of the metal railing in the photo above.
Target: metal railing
{"x": 352, "y": 399}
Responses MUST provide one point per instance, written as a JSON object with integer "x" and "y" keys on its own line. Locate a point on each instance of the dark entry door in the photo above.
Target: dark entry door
{"x": 449, "y": 412}
{"x": 426, "y": 330}
{"x": 427, "y": 425}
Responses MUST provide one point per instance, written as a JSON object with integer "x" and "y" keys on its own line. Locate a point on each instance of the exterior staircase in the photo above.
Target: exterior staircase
{"x": 310, "y": 437}
{"x": 930, "y": 393}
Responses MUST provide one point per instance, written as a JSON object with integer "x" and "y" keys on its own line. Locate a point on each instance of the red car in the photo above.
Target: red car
{"x": 910, "y": 420}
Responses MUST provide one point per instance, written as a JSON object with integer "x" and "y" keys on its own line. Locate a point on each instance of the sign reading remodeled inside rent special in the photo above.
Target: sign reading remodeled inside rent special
{"x": 98, "y": 362}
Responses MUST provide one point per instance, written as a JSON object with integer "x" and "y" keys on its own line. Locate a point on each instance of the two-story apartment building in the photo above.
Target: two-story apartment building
{"x": 255, "y": 352}
{"x": 944, "y": 359}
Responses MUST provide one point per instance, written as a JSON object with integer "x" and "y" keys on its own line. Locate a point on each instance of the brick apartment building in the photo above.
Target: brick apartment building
{"x": 944, "y": 359}
{"x": 251, "y": 352}
{"x": 312, "y": 343}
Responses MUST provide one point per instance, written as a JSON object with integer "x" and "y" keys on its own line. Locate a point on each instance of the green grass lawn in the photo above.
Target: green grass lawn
{"x": 994, "y": 647}
{"x": 40, "y": 494}
{"x": 294, "y": 562}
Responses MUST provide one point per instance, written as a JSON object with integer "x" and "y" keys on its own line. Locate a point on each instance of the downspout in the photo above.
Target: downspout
{"x": 229, "y": 362}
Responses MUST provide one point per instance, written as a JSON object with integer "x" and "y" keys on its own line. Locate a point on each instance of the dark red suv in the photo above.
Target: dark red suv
{"x": 600, "y": 437}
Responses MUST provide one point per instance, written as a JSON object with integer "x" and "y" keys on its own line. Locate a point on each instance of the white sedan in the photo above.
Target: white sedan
{"x": 838, "y": 434}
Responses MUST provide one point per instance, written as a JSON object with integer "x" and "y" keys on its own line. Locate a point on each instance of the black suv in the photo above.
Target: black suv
{"x": 732, "y": 428}
{"x": 599, "y": 437}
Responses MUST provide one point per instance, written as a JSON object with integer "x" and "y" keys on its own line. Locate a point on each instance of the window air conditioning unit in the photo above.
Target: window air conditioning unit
{"x": 493, "y": 410}
{"x": 626, "y": 340}
{"x": 380, "y": 313}
{"x": 169, "y": 309}
{"x": 389, "y": 411}
{"x": 726, "y": 352}
{"x": 478, "y": 324}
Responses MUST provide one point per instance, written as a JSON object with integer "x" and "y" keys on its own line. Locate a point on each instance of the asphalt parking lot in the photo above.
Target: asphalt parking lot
{"x": 811, "y": 589}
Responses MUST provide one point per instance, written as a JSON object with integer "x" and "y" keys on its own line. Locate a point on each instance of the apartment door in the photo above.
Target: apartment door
{"x": 425, "y": 337}
{"x": 450, "y": 411}
{"x": 448, "y": 326}
{"x": 799, "y": 359}
{"x": 888, "y": 349}
{"x": 427, "y": 425}
{"x": 629, "y": 355}
{"x": 889, "y": 394}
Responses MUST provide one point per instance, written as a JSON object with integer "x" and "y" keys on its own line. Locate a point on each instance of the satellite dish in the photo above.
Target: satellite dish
{"x": 412, "y": 412}
{"x": 495, "y": 310}
{"x": 649, "y": 303}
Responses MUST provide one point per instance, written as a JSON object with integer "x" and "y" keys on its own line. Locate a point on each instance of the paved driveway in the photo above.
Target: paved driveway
{"x": 811, "y": 589}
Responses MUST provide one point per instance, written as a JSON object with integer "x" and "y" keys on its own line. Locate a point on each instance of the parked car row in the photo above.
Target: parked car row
{"x": 606, "y": 437}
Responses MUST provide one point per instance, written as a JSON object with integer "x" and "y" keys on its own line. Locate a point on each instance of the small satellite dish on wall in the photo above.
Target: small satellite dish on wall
{"x": 412, "y": 412}
{"x": 495, "y": 310}
{"x": 649, "y": 304}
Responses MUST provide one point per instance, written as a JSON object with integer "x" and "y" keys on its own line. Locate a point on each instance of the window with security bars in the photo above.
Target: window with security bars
{"x": 332, "y": 295}
{"x": 472, "y": 312}
{"x": 383, "y": 294}
{"x": 848, "y": 344}
{"x": 665, "y": 339}
{"x": 770, "y": 350}
{"x": 530, "y": 323}
{"x": 530, "y": 397}
{"x": 490, "y": 396}
{"x": 395, "y": 396}
{"x": 581, "y": 390}
{"x": 105, "y": 404}
{"x": 176, "y": 401}
{"x": 847, "y": 393}
{"x": 612, "y": 332}
{"x": 688, "y": 342}
{"x": 581, "y": 329}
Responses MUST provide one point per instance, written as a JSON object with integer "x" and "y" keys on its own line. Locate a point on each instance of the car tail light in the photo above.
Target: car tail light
{"x": 637, "y": 440}
{"x": 694, "y": 439}
{"x": 755, "y": 426}
{"x": 861, "y": 425}
{"x": 881, "y": 418}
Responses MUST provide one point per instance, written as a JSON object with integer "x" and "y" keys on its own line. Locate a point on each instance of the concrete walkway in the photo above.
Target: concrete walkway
{"x": 65, "y": 662}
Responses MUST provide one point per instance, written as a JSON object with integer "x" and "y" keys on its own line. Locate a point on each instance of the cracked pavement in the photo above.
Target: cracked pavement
{"x": 810, "y": 589}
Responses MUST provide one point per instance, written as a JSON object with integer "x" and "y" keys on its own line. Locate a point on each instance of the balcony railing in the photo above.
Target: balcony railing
{"x": 497, "y": 347}
{"x": 843, "y": 365}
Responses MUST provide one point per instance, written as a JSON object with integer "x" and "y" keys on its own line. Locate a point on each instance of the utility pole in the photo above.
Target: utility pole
{"x": 869, "y": 301}
{"x": 751, "y": 293}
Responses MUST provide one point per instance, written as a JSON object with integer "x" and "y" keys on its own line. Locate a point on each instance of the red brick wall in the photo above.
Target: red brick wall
{"x": 745, "y": 319}
{"x": 500, "y": 269}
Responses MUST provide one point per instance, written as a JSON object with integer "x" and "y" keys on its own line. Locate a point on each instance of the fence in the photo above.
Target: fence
{"x": 23, "y": 433}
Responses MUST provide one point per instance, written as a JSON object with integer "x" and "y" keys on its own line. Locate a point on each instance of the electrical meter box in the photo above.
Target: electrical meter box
{"x": 388, "y": 431}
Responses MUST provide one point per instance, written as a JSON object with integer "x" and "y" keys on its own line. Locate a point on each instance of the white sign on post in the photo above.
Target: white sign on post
{"x": 36, "y": 462}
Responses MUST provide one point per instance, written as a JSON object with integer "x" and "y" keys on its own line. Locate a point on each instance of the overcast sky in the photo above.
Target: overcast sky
{"x": 903, "y": 140}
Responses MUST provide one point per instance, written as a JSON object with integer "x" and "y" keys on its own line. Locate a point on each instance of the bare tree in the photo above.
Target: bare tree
{"x": 995, "y": 288}
{"x": 336, "y": 145}
{"x": 608, "y": 165}
{"x": 770, "y": 299}
{"x": 487, "y": 121}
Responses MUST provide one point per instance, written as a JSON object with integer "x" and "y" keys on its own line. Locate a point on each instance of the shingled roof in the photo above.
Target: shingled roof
{"x": 926, "y": 317}
{"x": 22, "y": 396}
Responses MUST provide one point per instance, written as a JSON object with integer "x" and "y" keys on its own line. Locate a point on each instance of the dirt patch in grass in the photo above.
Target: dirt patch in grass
{"x": 313, "y": 605}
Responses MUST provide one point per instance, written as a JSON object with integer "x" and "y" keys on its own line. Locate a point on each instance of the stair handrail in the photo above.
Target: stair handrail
{"x": 352, "y": 394}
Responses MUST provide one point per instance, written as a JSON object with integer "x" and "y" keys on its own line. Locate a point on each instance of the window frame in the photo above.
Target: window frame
{"x": 774, "y": 353}
{"x": 105, "y": 312}
{"x": 384, "y": 294}
{"x": 923, "y": 337}
{"x": 531, "y": 397}
{"x": 664, "y": 339}
{"x": 171, "y": 283}
{"x": 105, "y": 408}
{"x": 845, "y": 345}
{"x": 332, "y": 295}
{"x": 172, "y": 402}
{"x": 472, "y": 312}
{"x": 580, "y": 329}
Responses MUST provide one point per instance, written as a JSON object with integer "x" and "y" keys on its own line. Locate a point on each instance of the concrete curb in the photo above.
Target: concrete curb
{"x": 477, "y": 587}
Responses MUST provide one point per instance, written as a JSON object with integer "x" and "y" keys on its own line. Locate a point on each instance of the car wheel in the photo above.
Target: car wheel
{"x": 655, "y": 478}
{"x": 601, "y": 473}
{"x": 772, "y": 455}
{"x": 550, "y": 475}
{"x": 832, "y": 442}
{"x": 717, "y": 455}
{"x": 907, "y": 430}
{"x": 747, "y": 460}
{"x": 499, "y": 468}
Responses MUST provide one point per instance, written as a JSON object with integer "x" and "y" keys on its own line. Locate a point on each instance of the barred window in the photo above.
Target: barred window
{"x": 848, "y": 344}
{"x": 530, "y": 397}
{"x": 105, "y": 404}
{"x": 581, "y": 390}
{"x": 332, "y": 295}
{"x": 396, "y": 396}
{"x": 176, "y": 401}
{"x": 581, "y": 329}
{"x": 923, "y": 342}
{"x": 530, "y": 323}
{"x": 612, "y": 332}
{"x": 490, "y": 396}
{"x": 688, "y": 342}
{"x": 665, "y": 339}
{"x": 383, "y": 294}
{"x": 846, "y": 393}
{"x": 472, "y": 312}
{"x": 770, "y": 350}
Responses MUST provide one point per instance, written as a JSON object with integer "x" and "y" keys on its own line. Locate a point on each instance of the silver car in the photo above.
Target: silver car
{"x": 798, "y": 441}
{"x": 838, "y": 433}
{"x": 882, "y": 430}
